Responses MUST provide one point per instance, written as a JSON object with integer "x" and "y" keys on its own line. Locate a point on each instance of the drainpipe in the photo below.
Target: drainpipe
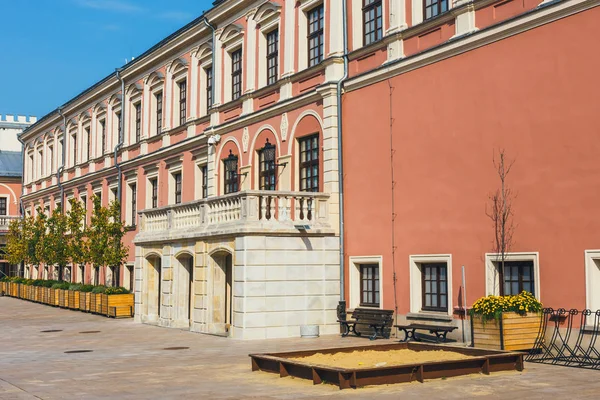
{"x": 21, "y": 208}
{"x": 121, "y": 136}
{"x": 60, "y": 169}
{"x": 214, "y": 50}
{"x": 342, "y": 305}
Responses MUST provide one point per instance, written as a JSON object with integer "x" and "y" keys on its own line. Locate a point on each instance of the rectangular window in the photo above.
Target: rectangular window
{"x": 182, "y": 102}
{"x": 315, "y": 35}
{"x": 159, "y": 112}
{"x": 231, "y": 174}
{"x": 88, "y": 138}
{"x": 369, "y": 285}
{"x": 3, "y": 210}
{"x": 267, "y": 170}
{"x": 138, "y": 122}
{"x": 517, "y": 276}
{"x": 372, "y": 21}
{"x": 433, "y": 8}
{"x": 103, "y": 136}
{"x": 84, "y": 204}
{"x": 51, "y": 159}
{"x": 177, "y": 178}
{"x": 272, "y": 56}
{"x": 309, "y": 163}
{"x": 209, "y": 88}
{"x": 41, "y": 155}
{"x": 435, "y": 287}
{"x": 119, "y": 126}
{"x": 133, "y": 189}
{"x": 236, "y": 74}
{"x": 154, "y": 187}
{"x": 74, "y": 138}
{"x": 204, "y": 172}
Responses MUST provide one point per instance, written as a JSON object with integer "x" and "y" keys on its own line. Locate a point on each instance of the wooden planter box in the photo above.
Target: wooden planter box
{"x": 73, "y": 299}
{"x": 62, "y": 298}
{"x": 84, "y": 301}
{"x": 46, "y": 295}
{"x": 39, "y": 294}
{"x": 117, "y": 305}
{"x": 96, "y": 303}
{"x": 511, "y": 332}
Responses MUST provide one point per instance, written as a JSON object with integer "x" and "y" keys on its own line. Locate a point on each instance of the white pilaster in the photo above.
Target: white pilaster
{"x": 251, "y": 50}
{"x": 193, "y": 111}
{"x": 147, "y": 104}
{"x": 397, "y": 15}
{"x": 217, "y": 69}
{"x": 465, "y": 20}
{"x": 335, "y": 27}
{"x": 290, "y": 32}
{"x": 168, "y": 101}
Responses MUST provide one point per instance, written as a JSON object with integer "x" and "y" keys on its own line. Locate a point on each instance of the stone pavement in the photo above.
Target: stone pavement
{"x": 129, "y": 362}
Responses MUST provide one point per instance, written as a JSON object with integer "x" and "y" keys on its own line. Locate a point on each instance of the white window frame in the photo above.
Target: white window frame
{"x": 157, "y": 87}
{"x": 149, "y": 177}
{"x": 134, "y": 99}
{"x": 416, "y": 287}
{"x": 492, "y": 272}
{"x": 172, "y": 172}
{"x": 358, "y": 23}
{"x": 305, "y": 7}
{"x": 354, "y": 295}
{"x": 132, "y": 181}
{"x": 7, "y": 197}
{"x": 592, "y": 279}
{"x": 266, "y": 27}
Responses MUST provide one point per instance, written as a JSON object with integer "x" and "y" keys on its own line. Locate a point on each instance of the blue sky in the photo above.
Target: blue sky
{"x": 54, "y": 49}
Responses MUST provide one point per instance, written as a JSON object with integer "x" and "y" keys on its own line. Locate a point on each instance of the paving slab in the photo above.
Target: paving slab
{"x": 128, "y": 361}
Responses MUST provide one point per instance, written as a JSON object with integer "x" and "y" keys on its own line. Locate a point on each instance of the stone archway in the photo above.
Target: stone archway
{"x": 222, "y": 292}
{"x": 184, "y": 291}
{"x": 151, "y": 289}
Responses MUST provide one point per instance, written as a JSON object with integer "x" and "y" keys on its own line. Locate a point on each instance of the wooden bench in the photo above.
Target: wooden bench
{"x": 380, "y": 321}
{"x": 440, "y": 331}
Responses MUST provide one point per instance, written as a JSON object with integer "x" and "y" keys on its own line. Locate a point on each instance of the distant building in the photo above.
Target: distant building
{"x": 10, "y": 127}
{"x": 11, "y": 172}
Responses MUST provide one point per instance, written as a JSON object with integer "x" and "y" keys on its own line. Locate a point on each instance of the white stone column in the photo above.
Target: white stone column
{"x": 290, "y": 32}
{"x": 334, "y": 28}
{"x": 217, "y": 68}
{"x": 193, "y": 112}
{"x": 211, "y": 171}
{"x": 251, "y": 50}
{"x": 397, "y": 16}
{"x": 168, "y": 100}
{"x": 465, "y": 19}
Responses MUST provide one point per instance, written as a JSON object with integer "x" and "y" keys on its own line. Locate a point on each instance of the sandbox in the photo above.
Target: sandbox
{"x": 352, "y": 367}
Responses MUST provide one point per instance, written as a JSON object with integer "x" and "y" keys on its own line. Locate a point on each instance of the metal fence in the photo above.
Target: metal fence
{"x": 568, "y": 338}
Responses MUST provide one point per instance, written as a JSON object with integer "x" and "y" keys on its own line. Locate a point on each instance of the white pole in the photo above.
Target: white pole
{"x": 464, "y": 285}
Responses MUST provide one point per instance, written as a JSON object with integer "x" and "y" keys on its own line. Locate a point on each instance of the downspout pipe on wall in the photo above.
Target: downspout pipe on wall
{"x": 60, "y": 169}
{"x": 342, "y": 305}
{"x": 214, "y": 50}
{"x": 121, "y": 136}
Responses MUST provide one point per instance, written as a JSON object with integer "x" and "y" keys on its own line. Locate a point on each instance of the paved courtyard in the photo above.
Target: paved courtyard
{"x": 128, "y": 361}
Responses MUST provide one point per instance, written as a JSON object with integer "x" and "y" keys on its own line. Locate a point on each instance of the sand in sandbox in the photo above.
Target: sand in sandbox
{"x": 372, "y": 358}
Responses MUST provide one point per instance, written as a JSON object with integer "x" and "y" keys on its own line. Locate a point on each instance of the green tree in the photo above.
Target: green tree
{"x": 77, "y": 242}
{"x": 55, "y": 241}
{"x": 19, "y": 231}
{"x": 38, "y": 242}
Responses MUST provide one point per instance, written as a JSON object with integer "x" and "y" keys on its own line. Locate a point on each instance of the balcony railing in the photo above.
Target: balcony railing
{"x": 5, "y": 220}
{"x": 250, "y": 209}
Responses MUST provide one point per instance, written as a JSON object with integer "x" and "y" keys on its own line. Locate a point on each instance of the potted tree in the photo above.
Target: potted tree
{"x": 506, "y": 322}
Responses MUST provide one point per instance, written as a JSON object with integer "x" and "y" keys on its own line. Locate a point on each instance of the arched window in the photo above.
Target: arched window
{"x": 231, "y": 173}
{"x": 267, "y": 167}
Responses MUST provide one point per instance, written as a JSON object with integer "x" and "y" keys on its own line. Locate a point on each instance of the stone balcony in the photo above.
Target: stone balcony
{"x": 5, "y": 221}
{"x": 245, "y": 212}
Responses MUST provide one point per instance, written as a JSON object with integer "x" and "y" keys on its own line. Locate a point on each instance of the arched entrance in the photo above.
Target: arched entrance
{"x": 151, "y": 294}
{"x": 184, "y": 293}
{"x": 222, "y": 292}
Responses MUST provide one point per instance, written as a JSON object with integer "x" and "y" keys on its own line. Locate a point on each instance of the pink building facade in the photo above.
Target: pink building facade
{"x": 222, "y": 143}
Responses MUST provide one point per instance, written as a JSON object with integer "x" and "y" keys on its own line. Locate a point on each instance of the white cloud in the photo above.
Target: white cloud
{"x": 110, "y": 5}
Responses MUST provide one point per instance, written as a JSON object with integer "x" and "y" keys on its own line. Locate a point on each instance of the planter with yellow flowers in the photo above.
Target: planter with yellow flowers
{"x": 506, "y": 322}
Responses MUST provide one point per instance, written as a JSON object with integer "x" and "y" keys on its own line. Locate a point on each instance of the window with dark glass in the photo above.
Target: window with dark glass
{"x": 517, "y": 276}
{"x": 309, "y": 163}
{"x": 119, "y": 127}
{"x": 272, "y": 56}
{"x": 369, "y": 285}
{"x": 433, "y": 8}
{"x": 209, "y": 87}
{"x": 267, "y": 167}
{"x": 177, "y": 178}
{"x": 103, "y": 136}
{"x": 182, "y": 101}
{"x": 138, "y": 122}
{"x": 204, "y": 172}
{"x": 3, "y": 210}
{"x": 236, "y": 74}
{"x": 88, "y": 149}
{"x": 159, "y": 112}
{"x": 231, "y": 173}
{"x": 133, "y": 189}
{"x": 74, "y": 149}
{"x": 372, "y": 21}
{"x": 154, "y": 188}
{"x": 84, "y": 205}
{"x": 315, "y": 35}
{"x": 435, "y": 287}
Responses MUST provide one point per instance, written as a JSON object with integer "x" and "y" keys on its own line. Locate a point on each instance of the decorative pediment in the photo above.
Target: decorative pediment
{"x": 154, "y": 78}
{"x": 267, "y": 12}
{"x": 134, "y": 89}
{"x": 231, "y": 33}
{"x": 203, "y": 52}
{"x": 84, "y": 116}
{"x": 177, "y": 65}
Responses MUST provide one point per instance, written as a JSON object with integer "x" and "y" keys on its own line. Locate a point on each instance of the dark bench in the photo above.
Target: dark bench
{"x": 380, "y": 321}
{"x": 440, "y": 331}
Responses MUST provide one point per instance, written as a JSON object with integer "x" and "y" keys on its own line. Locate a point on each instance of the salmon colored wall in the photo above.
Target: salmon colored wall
{"x": 11, "y": 189}
{"x": 531, "y": 94}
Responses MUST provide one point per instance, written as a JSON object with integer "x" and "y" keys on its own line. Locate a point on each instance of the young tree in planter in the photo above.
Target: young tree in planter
{"x": 501, "y": 211}
{"x": 17, "y": 239}
{"x": 56, "y": 241}
{"x": 38, "y": 241}
{"x": 77, "y": 242}
{"x": 105, "y": 235}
